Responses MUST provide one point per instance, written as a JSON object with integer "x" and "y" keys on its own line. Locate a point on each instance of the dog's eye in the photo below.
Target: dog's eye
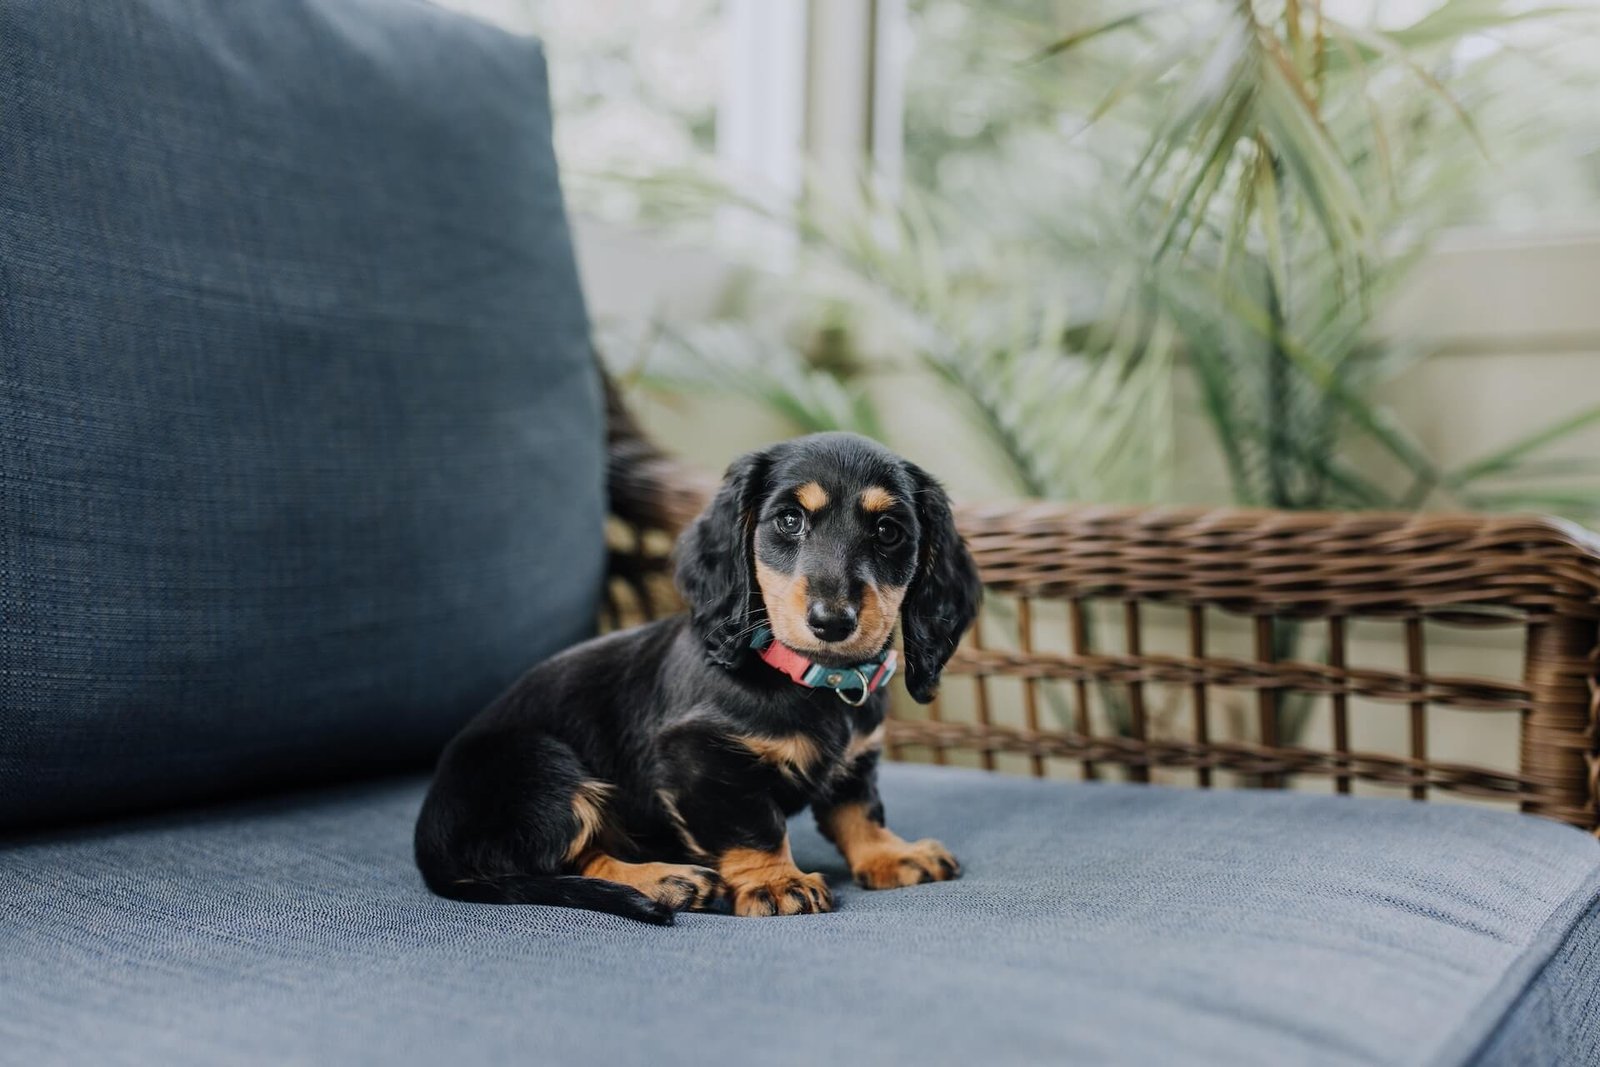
{"x": 890, "y": 533}
{"x": 789, "y": 523}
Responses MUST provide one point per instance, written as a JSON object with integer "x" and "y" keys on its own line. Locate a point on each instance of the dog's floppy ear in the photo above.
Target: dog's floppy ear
{"x": 714, "y": 567}
{"x": 944, "y": 594}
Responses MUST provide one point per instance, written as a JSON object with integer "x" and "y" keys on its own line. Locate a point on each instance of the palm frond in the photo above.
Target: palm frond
{"x": 1100, "y": 29}
{"x": 1510, "y": 457}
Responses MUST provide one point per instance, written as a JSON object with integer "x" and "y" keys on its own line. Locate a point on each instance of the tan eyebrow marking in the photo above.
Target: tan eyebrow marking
{"x": 812, "y": 496}
{"x": 876, "y": 498}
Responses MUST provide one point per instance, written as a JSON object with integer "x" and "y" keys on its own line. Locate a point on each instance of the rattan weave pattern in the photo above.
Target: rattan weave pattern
{"x": 1289, "y": 563}
{"x": 1462, "y": 692}
{"x": 1241, "y": 757}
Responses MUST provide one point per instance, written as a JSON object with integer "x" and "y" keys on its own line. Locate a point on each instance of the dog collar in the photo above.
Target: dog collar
{"x": 868, "y": 677}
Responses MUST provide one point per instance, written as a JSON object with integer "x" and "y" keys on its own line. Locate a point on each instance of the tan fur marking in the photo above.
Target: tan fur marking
{"x": 876, "y": 498}
{"x": 677, "y": 885}
{"x": 670, "y": 803}
{"x": 879, "y": 608}
{"x": 794, "y": 755}
{"x": 588, "y": 807}
{"x": 769, "y": 883}
{"x": 812, "y": 496}
{"x": 853, "y": 831}
{"x": 879, "y": 858}
{"x": 785, "y": 601}
{"x": 744, "y": 864}
{"x": 861, "y": 744}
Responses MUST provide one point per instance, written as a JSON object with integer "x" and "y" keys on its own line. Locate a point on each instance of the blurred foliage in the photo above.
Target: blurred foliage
{"x": 973, "y": 96}
{"x": 1107, "y": 201}
{"x": 931, "y": 295}
{"x": 1291, "y": 173}
{"x": 1111, "y": 191}
{"x": 634, "y": 84}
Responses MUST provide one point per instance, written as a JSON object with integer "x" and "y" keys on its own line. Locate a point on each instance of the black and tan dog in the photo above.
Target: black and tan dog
{"x": 652, "y": 770}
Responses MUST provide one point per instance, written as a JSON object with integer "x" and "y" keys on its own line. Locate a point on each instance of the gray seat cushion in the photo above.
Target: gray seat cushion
{"x": 300, "y": 440}
{"x": 1095, "y": 923}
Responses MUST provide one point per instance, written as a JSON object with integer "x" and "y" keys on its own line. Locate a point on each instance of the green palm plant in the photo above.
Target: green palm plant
{"x": 1295, "y": 168}
{"x": 985, "y": 320}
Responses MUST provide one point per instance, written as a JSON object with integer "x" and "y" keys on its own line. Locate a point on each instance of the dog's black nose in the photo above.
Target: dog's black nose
{"x": 830, "y": 623}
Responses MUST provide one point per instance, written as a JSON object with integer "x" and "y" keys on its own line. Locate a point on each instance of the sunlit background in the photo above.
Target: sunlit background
{"x": 783, "y": 202}
{"x": 1336, "y": 256}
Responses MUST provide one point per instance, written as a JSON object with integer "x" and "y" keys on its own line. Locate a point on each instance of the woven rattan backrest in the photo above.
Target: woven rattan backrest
{"x": 1102, "y": 572}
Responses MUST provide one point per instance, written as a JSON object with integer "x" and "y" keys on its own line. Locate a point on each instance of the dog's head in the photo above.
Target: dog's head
{"x": 827, "y": 539}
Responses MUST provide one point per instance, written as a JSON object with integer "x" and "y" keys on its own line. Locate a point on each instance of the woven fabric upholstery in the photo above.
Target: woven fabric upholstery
{"x": 1555, "y": 1017}
{"x": 301, "y": 448}
{"x": 1095, "y": 924}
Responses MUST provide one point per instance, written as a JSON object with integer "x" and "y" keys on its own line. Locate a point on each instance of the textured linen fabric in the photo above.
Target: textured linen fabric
{"x": 1554, "y": 998}
{"x": 1095, "y": 924}
{"x": 300, "y": 442}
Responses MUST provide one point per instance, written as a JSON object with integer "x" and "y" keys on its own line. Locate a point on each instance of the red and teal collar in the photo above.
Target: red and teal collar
{"x": 868, "y": 677}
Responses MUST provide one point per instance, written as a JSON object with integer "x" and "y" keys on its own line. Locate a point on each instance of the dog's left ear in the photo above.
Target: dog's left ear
{"x": 714, "y": 568}
{"x": 944, "y": 594}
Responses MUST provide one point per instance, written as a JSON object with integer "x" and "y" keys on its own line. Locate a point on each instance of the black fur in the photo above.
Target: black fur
{"x": 715, "y": 571}
{"x": 671, "y": 717}
{"x": 944, "y": 594}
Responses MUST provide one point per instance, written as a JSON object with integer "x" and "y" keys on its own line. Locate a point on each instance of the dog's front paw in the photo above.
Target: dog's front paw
{"x": 782, "y": 893}
{"x": 768, "y": 883}
{"x": 893, "y": 864}
{"x": 687, "y": 888}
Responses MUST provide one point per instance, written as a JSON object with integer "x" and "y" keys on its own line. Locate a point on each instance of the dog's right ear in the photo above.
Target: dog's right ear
{"x": 714, "y": 570}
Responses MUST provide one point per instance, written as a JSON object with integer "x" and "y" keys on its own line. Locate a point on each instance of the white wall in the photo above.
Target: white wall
{"x": 1517, "y": 324}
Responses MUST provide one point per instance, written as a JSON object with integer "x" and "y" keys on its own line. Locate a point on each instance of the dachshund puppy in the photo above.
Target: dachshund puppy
{"x": 652, "y": 770}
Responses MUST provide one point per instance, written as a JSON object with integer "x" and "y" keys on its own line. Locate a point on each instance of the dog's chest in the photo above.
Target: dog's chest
{"x": 809, "y": 759}
{"x": 839, "y": 752}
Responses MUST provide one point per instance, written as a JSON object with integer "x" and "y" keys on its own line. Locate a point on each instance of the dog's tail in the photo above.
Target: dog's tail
{"x": 557, "y": 890}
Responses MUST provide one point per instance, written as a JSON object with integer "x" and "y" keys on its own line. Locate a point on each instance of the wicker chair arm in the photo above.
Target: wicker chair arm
{"x": 1289, "y": 563}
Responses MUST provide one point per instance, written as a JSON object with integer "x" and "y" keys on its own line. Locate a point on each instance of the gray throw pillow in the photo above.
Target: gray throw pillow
{"x": 301, "y": 446}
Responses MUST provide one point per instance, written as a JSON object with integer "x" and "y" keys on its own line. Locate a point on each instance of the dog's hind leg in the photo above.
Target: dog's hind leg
{"x": 680, "y": 886}
{"x": 514, "y": 817}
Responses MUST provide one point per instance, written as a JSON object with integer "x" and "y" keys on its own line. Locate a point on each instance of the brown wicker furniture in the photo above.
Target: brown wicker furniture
{"x": 1327, "y": 572}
